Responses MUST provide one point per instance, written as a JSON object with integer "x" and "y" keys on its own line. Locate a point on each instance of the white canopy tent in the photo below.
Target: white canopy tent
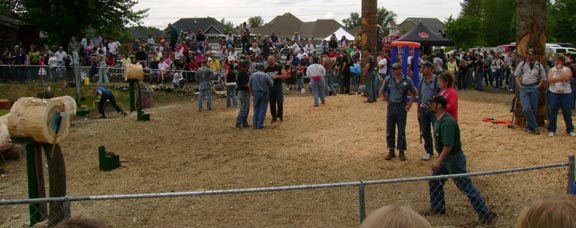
{"x": 339, "y": 33}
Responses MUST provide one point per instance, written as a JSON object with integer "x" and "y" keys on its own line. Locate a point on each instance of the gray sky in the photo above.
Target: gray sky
{"x": 163, "y": 12}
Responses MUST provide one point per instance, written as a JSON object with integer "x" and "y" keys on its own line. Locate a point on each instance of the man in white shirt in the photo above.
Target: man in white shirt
{"x": 150, "y": 40}
{"x": 60, "y": 55}
{"x": 230, "y": 38}
{"x": 294, "y": 47}
{"x": 438, "y": 64}
{"x": 309, "y": 48}
{"x": 113, "y": 46}
{"x": 382, "y": 65}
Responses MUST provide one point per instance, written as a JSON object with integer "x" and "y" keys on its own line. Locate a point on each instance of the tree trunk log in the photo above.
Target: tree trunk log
{"x": 37, "y": 118}
{"x": 531, "y": 31}
{"x": 69, "y": 105}
{"x": 369, "y": 26}
{"x": 133, "y": 71}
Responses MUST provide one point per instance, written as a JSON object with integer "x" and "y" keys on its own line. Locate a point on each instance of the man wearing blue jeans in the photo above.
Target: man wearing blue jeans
{"x": 328, "y": 64}
{"x": 204, "y": 77}
{"x": 478, "y": 76}
{"x": 244, "y": 95}
{"x": 427, "y": 89}
{"x": 530, "y": 76}
{"x": 452, "y": 161}
{"x": 260, "y": 84}
{"x": 369, "y": 74}
{"x": 397, "y": 86}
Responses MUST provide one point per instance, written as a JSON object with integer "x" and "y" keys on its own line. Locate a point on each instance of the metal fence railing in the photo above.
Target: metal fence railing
{"x": 504, "y": 191}
{"x": 95, "y": 74}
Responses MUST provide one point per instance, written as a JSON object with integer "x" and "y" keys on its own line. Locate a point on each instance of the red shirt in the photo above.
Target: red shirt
{"x": 110, "y": 60}
{"x": 193, "y": 66}
{"x": 452, "y": 96}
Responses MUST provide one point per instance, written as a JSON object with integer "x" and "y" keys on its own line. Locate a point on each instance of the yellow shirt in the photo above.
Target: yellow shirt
{"x": 214, "y": 65}
{"x": 452, "y": 66}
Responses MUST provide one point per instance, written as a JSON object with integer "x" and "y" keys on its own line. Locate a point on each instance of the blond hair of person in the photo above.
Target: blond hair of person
{"x": 394, "y": 216}
{"x": 555, "y": 211}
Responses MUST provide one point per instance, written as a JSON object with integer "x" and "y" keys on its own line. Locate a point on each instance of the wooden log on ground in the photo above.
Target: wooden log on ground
{"x": 69, "y": 105}
{"x": 38, "y": 119}
{"x": 133, "y": 71}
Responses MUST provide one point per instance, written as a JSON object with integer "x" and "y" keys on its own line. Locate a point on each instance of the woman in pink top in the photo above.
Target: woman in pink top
{"x": 446, "y": 83}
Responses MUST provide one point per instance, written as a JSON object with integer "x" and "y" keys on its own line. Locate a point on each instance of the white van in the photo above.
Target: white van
{"x": 553, "y": 50}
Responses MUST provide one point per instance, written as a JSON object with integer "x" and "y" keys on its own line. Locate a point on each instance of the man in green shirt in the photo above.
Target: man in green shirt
{"x": 452, "y": 161}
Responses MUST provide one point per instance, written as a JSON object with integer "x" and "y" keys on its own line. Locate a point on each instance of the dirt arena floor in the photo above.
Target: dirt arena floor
{"x": 344, "y": 140}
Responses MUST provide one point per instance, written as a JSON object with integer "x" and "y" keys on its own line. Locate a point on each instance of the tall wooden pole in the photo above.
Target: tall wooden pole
{"x": 531, "y": 33}
{"x": 369, "y": 26}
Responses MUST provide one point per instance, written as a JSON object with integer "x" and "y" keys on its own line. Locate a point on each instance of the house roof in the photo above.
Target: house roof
{"x": 142, "y": 32}
{"x": 434, "y": 24}
{"x": 355, "y": 30}
{"x": 12, "y": 22}
{"x": 325, "y": 27}
{"x": 206, "y": 24}
{"x": 287, "y": 24}
{"x": 283, "y": 25}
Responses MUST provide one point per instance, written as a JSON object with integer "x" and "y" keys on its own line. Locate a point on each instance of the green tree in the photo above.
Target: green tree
{"x": 384, "y": 16}
{"x": 497, "y": 22}
{"x": 562, "y": 26}
{"x": 228, "y": 26}
{"x": 463, "y": 31}
{"x": 353, "y": 21}
{"x": 254, "y": 22}
{"x": 471, "y": 8}
{"x": 62, "y": 19}
{"x": 11, "y": 7}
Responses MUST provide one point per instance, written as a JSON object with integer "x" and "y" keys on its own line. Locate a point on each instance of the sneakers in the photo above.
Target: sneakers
{"x": 402, "y": 157}
{"x": 572, "y": 134}
{"x": 390, "y": 155}
{"x": 550, "y": 134}
{"x": 427, "y": 157}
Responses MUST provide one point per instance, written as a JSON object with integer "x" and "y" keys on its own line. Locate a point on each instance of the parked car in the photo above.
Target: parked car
{"x": 506, "y": 48}
{"x": 560, "y": 50}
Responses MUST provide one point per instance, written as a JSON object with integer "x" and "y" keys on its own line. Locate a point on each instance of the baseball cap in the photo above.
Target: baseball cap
{"x": 530, "y": 51}
{"x": 245, "y": 62}
{"x": 427, "y": 64}
{"x": 396, "y": 66}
